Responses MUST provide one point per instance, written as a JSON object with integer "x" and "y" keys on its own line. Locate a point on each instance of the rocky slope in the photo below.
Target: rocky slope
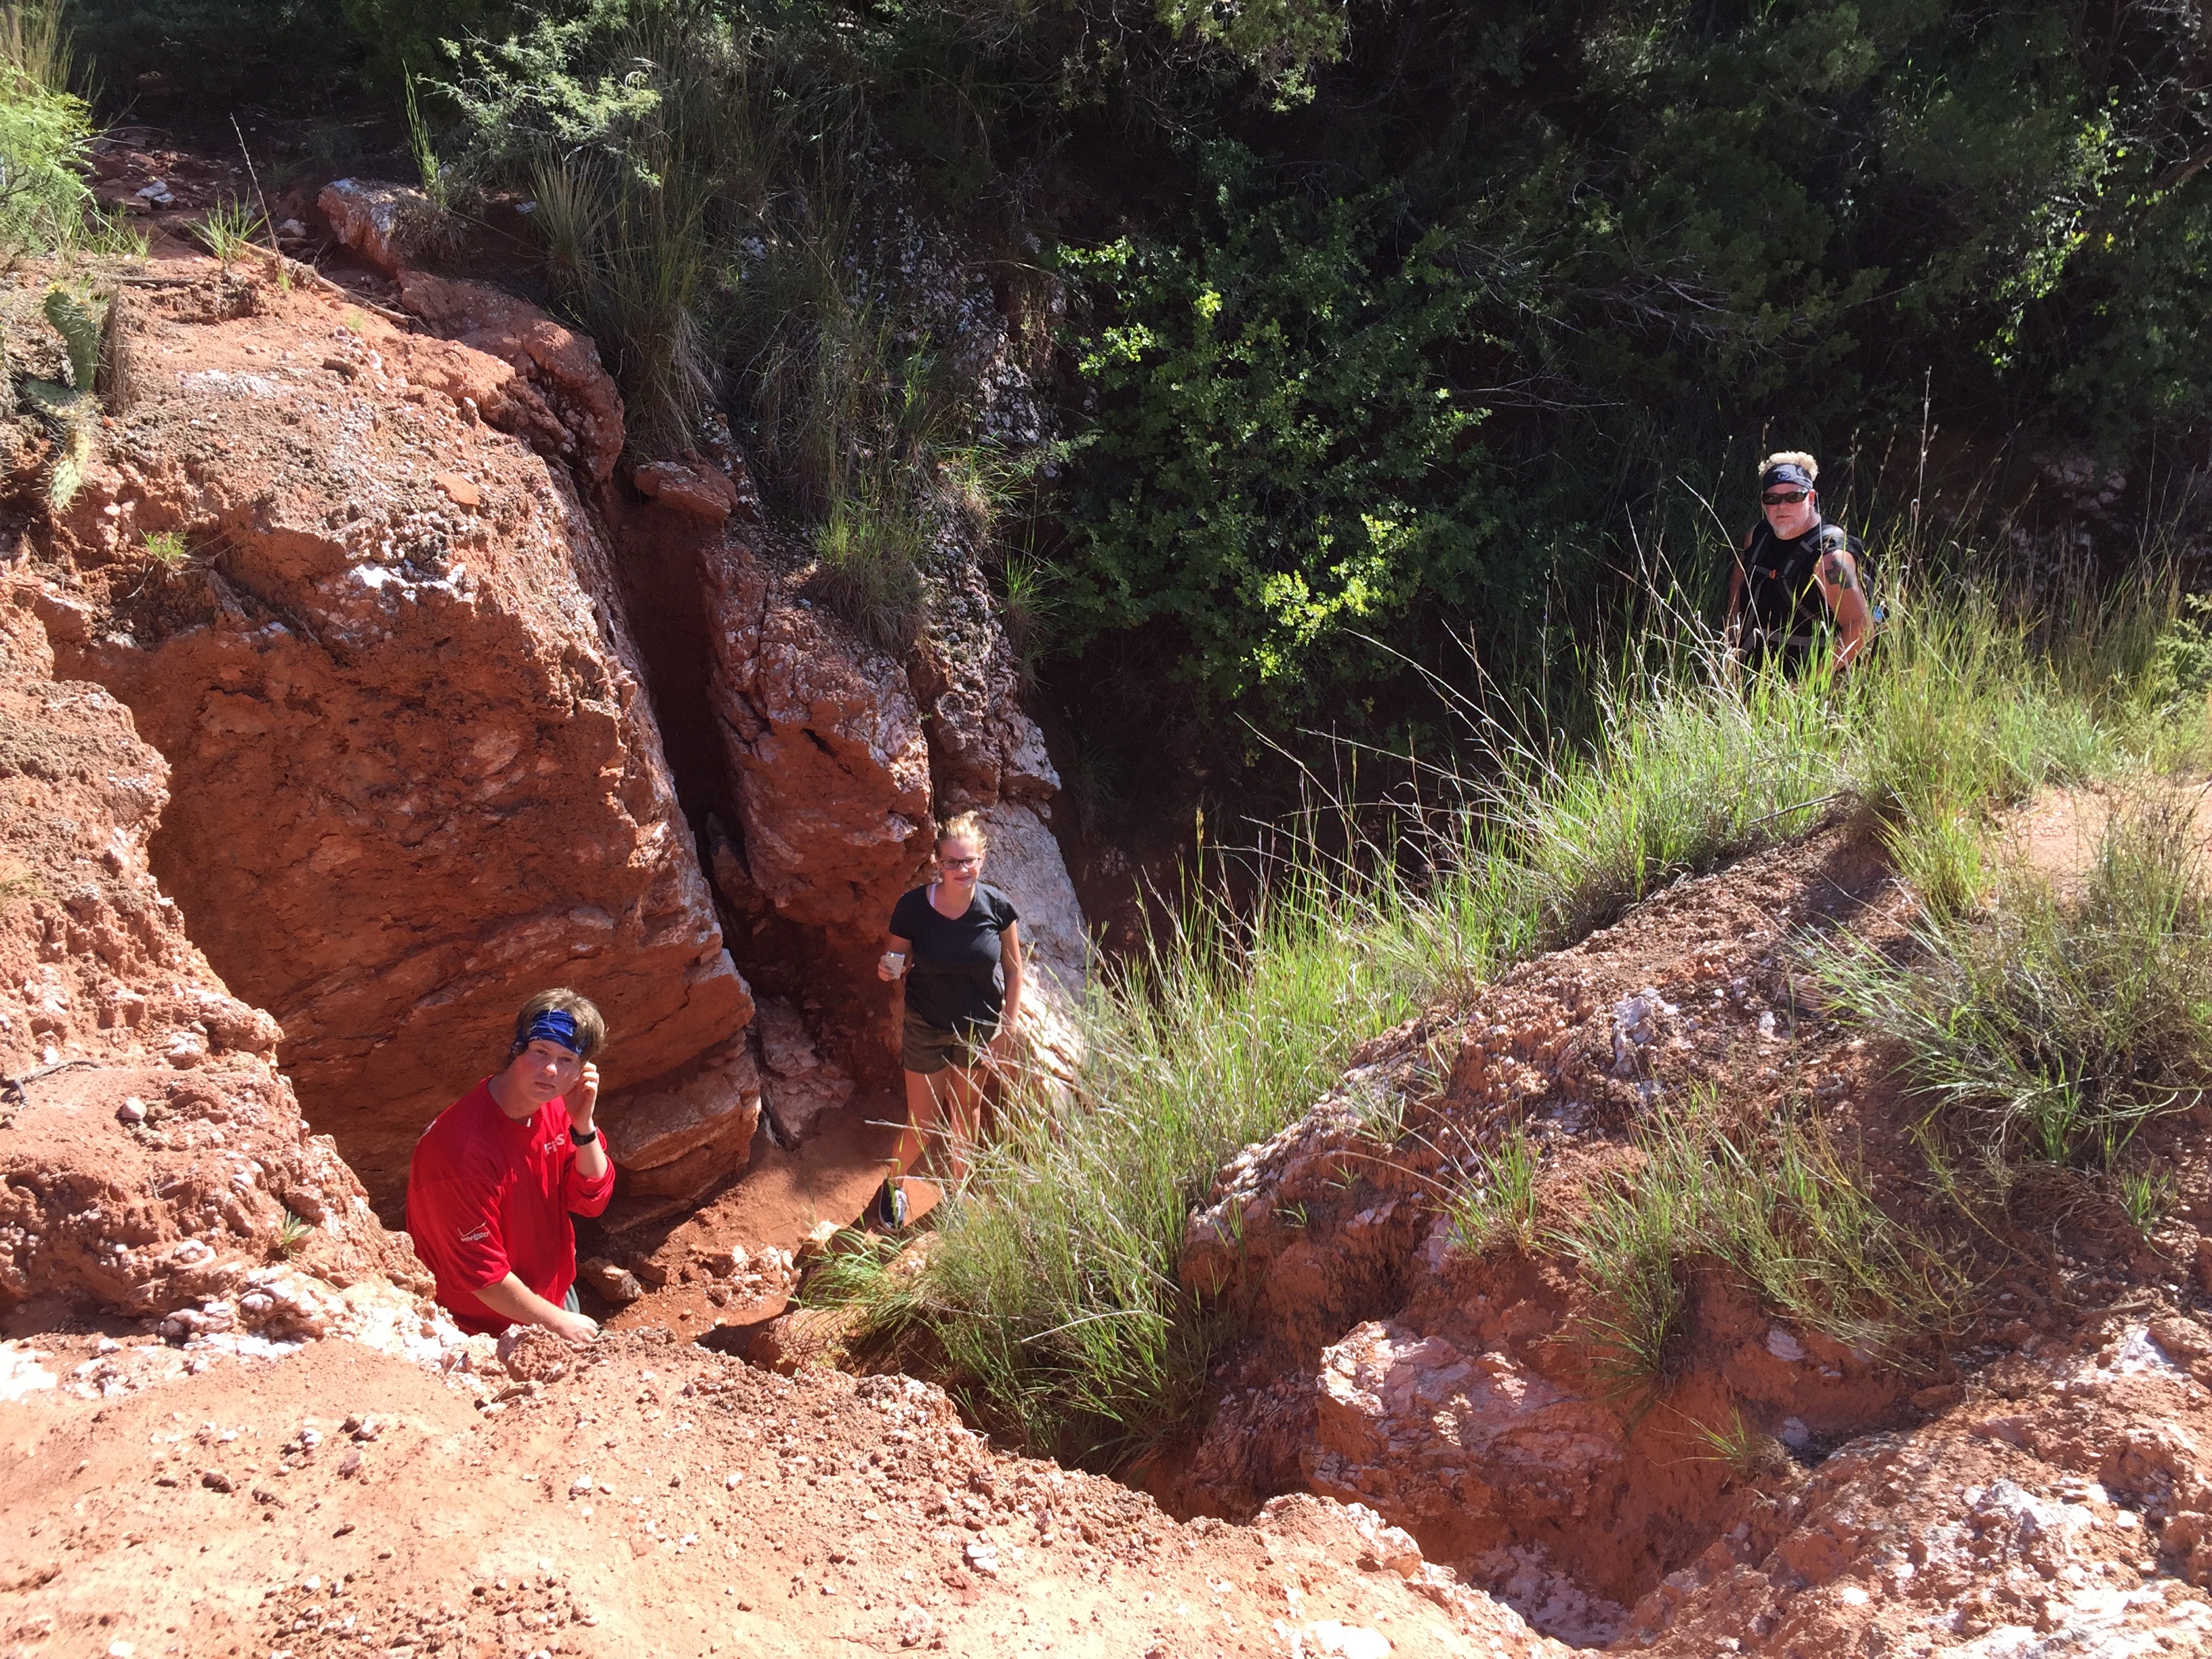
{"x": 649, "y": 1497}
{"x": 2035, "y": 1473}
{"x": 154, "y": 1164}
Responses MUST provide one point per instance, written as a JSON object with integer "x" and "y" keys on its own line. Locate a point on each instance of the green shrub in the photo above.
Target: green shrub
{"x": 1281, "y": 463}
{"x": 283, "y": 53}
{"x": 44, "y": 204}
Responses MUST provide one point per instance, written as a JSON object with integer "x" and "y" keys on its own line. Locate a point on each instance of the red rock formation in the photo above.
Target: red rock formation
{"x": 699, "y": 489}
{"x": 415, "y": 776}
{"x": 555, "y": 394}
{"x": 829, "y": 768}
{"x": 830, "y": 764}
{"x": 151, "y": 1150}
{"x": 377, "y": 220}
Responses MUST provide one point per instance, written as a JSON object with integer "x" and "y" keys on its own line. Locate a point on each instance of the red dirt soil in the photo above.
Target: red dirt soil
{"x": 653, "y": 1498}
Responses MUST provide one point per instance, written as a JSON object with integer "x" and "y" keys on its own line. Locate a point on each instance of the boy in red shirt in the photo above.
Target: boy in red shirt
{"x": 494, "y": 1179}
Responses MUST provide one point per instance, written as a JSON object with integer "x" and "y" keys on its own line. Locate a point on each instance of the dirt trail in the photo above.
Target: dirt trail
{"x": 2056, "y": 834}
{"x": 785, "y": 1196}
{"x": 660, "y": 1500}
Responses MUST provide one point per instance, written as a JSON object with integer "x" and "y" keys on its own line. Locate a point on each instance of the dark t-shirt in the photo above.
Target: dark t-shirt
{"x": 955, "y": 982}
{"x": 1779, "y": 594}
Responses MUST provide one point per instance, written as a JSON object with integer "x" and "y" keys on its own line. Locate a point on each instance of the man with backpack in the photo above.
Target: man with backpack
{"x": 1797, "y": 576}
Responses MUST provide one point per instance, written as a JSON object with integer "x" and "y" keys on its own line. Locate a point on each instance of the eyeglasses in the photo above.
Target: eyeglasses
{"x": 960, "y": 864}
{"x": 1783, "y": 497}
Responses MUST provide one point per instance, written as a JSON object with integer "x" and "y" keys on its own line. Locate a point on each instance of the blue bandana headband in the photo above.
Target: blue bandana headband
{"x": 1787, "y": 473}
{"x": 554, "y": 1025}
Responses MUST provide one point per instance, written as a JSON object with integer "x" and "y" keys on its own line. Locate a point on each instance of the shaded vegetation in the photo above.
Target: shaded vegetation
{"x": 1383, "y": 323}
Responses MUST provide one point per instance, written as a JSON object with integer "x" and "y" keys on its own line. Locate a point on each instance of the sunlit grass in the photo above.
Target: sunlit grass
{"x": 1050, "y": 1300}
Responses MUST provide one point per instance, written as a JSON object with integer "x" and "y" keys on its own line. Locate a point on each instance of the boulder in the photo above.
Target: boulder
{"x": 609, "y": 1282}
{"x": 415, "y": 776}
{"x": 798, "y": 1083}
{"x": 1452, "y": 1445}
{"x": 155, "y": 1162}
{"x": 555, "y": 394}
{"x": 983, "y": 749}
{"x": 807, "y": 1336}
{"x": 673, "y": 1142}
{"x": 378, "y": 220}
{"x": 828, "y": 761}
{"x": 1025, "y": 863}
{"x": 700, "y": 490}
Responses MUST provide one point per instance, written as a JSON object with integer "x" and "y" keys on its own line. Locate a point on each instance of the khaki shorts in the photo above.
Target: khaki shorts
{"x": 927, "y": 1050}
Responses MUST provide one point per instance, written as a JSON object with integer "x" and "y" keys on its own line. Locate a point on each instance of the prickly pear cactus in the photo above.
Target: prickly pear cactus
{"x": 80, "y": 332}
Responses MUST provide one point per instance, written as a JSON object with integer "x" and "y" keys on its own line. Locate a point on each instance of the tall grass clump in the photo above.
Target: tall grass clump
{"x": 1051, "y": 1299}
{"x": 1777, "y": 1204}
{"x": 1496, "y": 1202}
{"x": 2048, "y": 1026}
{"x": 1051, "y": 1294}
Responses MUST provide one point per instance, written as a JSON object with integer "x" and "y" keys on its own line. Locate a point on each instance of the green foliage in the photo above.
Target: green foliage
{"x": 2183, "y": 671}
{"x": 2146, "y": 1195}
{"x": 1496, "y": 1202}
{"x": 1633, "y": 1245}
{"x": 1776, "y": 1204}
{"x": 294, "y": 1234}
{"x": 422, "y": 146}
{"x": 406, "y": 38}
{"x": 1030, "y": 608}
{"x": 282, "y": 53}
{"x": 80, "y": 332}
{"x": 230, "y": 228}
{"x": 1279, "y": 458}
{"x": 167, "y": 548}
{"x": 869, "y": 571}
{"x": 44, "y": 205}
{"x": 70, "y": 416}
{"x": 1513, "y": 271}
{"x": 1748, "y": 1452}
{"x": 2048, "y": 1027}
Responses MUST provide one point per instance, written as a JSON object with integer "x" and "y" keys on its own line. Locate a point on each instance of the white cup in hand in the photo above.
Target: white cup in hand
{"x": 893, "y": 965}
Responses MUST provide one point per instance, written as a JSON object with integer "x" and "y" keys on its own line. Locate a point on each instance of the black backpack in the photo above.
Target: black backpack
{"x": 1796, "y": 577}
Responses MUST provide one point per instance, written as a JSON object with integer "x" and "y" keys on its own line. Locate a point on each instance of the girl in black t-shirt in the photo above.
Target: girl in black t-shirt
{"x": 956, "y": 954}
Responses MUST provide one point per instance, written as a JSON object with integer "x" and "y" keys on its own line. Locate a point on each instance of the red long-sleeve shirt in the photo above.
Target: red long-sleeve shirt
{"x": 488, "y": 1196}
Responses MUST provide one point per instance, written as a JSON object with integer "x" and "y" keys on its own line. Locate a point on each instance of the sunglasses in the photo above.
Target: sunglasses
{"x": 1783, "y": 497}
{"x": 959, "y": 864}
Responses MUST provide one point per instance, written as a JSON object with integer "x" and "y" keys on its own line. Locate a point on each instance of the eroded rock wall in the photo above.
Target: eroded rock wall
{"x": 415, "y": 774}
{"x": 152, "y": 1161}
{"x": 1463, "y": 1388}
{"x": 838, "y": 776}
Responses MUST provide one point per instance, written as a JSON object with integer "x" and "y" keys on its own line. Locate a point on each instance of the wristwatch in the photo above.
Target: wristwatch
{"x": 583, "y": 1137}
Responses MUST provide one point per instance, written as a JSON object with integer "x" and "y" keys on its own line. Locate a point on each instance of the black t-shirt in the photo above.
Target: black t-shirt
{"x": 955, "y": 982}
{"x": 1779, "y": 594}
